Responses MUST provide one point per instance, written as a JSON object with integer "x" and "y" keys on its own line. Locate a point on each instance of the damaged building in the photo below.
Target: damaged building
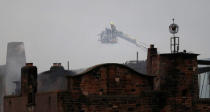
{"x": 166, "y": 82}
{"x": 170, "y": 85}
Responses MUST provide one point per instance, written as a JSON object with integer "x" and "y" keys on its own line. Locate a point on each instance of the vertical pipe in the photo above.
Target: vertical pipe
{"x": 174, "y": 45}
{"x": 137, "y": 57}
{"x": 171, "y": 45}
{"x": 68, "y": 64}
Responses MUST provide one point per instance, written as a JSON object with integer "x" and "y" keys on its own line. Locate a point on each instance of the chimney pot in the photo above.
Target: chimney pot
{"x": 56, "y": 64}
{"x": 29, "y": 64}
{"x": 152, "y": 46}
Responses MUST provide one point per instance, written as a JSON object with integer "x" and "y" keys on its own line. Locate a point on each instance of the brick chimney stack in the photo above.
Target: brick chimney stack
{"x": 56, "y": 67}
{"x": 29, "y": 82}
{"x": 152, "y": 52}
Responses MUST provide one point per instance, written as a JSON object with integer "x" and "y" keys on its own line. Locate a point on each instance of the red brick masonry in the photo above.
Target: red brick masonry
{"x": 171, "y": 85}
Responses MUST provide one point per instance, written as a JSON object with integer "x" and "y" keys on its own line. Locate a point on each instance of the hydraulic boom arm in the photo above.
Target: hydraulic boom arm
{"x": 109, "y": 36}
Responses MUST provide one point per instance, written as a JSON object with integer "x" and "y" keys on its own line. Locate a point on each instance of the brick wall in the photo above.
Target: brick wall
{"x": 110, "y": 80}
{"x": 117, "y": 88}
{"x": 147, "y": 102}
{"x": 177, "y": 76}
{"x": 111, "y": 88}
{"x": 45, "y": 102}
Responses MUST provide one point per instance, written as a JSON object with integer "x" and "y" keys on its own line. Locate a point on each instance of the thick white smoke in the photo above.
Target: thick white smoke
{"x": 15, "y": 60}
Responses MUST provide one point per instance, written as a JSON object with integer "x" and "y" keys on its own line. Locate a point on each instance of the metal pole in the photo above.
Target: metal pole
{"x": 174, "y": 44}
{"x": 137, "y": 57}
{"x": 68, "y": 65}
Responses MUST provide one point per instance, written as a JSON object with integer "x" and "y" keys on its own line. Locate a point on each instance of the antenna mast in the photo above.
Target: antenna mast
{"x": 174, "y": 41}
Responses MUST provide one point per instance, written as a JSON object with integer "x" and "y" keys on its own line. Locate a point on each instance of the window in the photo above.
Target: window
{"x": 184, "y": 92}
{"x": 98, "y": 76}
{"x": 133, "y": 90}
{"x": 117, "y": 79}
{"x": 101, "y": 90}
{"x": 115, "y": 108}
{"x": 130, "y": 109}
{"x": 10, "y": 102}
{"x": 31, "y": 99}
{"x": 49, "y": 99}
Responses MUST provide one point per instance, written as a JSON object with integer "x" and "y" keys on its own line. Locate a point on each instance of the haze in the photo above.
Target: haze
{"x": 62, "y": 30}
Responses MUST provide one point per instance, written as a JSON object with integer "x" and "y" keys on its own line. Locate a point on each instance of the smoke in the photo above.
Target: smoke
{"x": 12, "y": 70}
{"x": 15, "y": 61}
{"x": 54, "y": 79}
{"x": 2, "y": 86}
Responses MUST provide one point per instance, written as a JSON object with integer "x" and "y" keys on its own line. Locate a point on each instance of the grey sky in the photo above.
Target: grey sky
{"x": 61, "y": 30}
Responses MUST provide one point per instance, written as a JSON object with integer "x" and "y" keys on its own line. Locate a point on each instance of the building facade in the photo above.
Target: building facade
{"x": 170, "y": 85}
